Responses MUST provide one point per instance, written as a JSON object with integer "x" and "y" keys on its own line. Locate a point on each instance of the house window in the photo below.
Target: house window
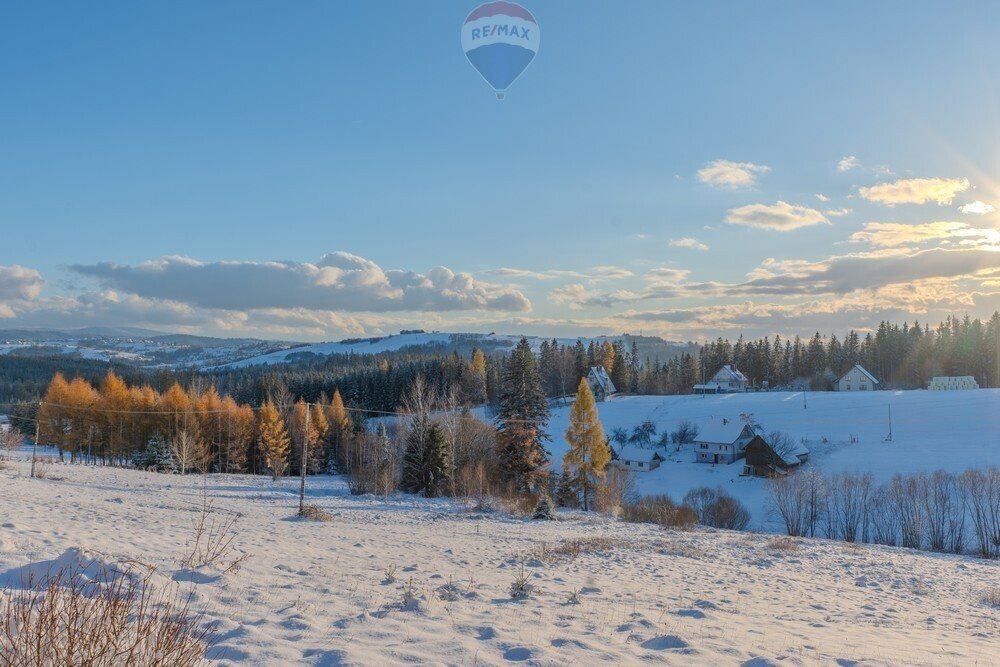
{"x": 639, "y": 464}
{"x": 704, "y": 445}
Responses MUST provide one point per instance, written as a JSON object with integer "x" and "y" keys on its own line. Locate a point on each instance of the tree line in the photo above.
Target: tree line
{"x": 900, "y": 356}
{"x": 187, "y": 429}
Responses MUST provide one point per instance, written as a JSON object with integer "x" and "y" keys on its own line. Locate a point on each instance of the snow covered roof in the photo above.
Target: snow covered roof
{"x": 638, "y": 454}
{"x": 600, "y": 376}
{"x": 4, "y": 419}
{"x": 792, "y": 455}
{"x": 722, "y": 431}
{"x": 863, "y": 370}
{"x": 731, "y": 371}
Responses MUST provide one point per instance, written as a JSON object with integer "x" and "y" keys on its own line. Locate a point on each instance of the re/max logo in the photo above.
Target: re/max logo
{"x": 501, "y": 29}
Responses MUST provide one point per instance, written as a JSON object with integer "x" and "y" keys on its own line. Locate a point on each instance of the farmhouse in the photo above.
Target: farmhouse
{"x": 765, "y": 460}
{"x": 729, "y": 379}
{"x": 722, "y": 440}
{"x": 600, "y": 383}
{"x": 857, "y": 379}
{"x": 952, "y": 383}
{"x": 640, "y": 460}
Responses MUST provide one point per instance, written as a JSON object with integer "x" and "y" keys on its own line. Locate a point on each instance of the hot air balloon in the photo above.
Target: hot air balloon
{"x": 500, "y": 39}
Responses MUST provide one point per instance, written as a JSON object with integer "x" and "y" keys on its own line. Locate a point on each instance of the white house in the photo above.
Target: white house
{"x": 600, "y": 383}
{"x": 729, "y": 379}
{"x": 637, "y": 459}
{"x": 952, "y": 383}
{"x": 857, "y": 379}
{"x": 4, "y": 423}
{"x": 722, "y": 440}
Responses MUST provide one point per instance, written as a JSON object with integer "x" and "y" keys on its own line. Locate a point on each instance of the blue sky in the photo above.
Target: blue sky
{"x": 298, "y": 170}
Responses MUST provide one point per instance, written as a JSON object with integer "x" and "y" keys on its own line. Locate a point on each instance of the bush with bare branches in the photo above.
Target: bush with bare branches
{"x": 214, "y": 535}
{"x": 117, "y": 617}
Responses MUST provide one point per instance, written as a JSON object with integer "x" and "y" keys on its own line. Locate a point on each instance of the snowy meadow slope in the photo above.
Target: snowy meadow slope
{"x": 952, "y": 431}
{"x": 318, "y": 593}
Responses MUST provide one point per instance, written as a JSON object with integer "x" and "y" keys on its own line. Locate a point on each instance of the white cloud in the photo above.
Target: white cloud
{"x": 19, "y": 283}
{"x": 977, "y": 208}
{"x": 894, "y": 234}
{"x": 940, "y": 191}
{"x": 847, "y": 163}
{"x": 838, "y": 212}
{"x": 823, "y": 198}
{"x": 595, "y": 274}
{"x": 728, "y": 174}
{"x": 338, "y": 282}
{"x": 781, "y": 216}
{"x": 688, "y": 242}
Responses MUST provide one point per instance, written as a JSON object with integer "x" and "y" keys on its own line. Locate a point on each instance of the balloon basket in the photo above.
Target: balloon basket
{"x": 501, "y": 94}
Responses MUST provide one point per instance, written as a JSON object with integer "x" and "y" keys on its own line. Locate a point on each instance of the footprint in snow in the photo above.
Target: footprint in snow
{"x": 518, "y": 654}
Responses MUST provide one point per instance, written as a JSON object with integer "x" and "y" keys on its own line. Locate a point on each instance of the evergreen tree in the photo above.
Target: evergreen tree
{"x": 567, "y": 494}
{"x": 544, "y": 510}
{"x": 412, "y": 480}
{"x": 523, "y": 414}
{"x": 437, "y": 462}
{"x": 427, "y": 463}
{"x": 589, "y": 453}
{"x": 273, "y": 439}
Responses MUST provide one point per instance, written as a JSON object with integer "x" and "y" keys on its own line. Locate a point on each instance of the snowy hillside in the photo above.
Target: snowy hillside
{"x": 931, "y": 430}
{"x": 394, "y": 343}
{"x": 148, "y": 349}
{"x": 605, "y": 592}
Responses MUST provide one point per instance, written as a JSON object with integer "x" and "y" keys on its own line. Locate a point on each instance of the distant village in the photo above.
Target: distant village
{"x": 725, "y": 440}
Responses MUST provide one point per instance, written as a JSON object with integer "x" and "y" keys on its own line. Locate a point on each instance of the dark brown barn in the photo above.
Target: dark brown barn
{"x": 762, "y": 461}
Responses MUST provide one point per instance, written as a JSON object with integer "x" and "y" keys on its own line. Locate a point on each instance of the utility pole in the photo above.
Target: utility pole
{"x": 889, "y": 439}
{"x": 302, "y": 468}
{"x": 804, "y": 405}
{"x": 34, "y": 444}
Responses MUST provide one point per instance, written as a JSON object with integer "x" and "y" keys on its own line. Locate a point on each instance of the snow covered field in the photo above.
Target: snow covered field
{"x": 931, "y": 430}
{"x": 316, "y": 593}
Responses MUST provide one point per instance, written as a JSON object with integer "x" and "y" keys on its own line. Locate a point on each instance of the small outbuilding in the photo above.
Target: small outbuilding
{"x": 764, "y": 460}
{"x": 4, "y": 423}
{"x": 638, "y": 459}
{"x": 857, "y": 379}
{"x": 600, "y": 383}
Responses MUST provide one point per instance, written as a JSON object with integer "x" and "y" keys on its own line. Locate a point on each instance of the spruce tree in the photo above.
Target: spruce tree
{"x": 566, "y": 491}
{"x": 588, "y": 453}
{"x": 544, "y": 510}
{"x": 412, "y": 480}
{"x": 437, "y": 462}
{"x": 427, "y": 463}
{"x": 523, "y": 414}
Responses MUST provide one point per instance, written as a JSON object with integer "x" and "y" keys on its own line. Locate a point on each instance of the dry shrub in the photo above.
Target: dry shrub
{"x": 213, "y": 540}
{"x": 617, "y": 491}
{"x": 315, "y": 513}
{"x": 520, "y": 505}
{"x": 521, "y": 588}
{"x": 571, "y": 549}
{"x": 991, "y": 597}
{"x": 784, "y": 543}
{"x": 660, "y": 510}
{"x": 717, "y": 508}
{"x": 113, "y": 618}
{"x": 43, "y": 466}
